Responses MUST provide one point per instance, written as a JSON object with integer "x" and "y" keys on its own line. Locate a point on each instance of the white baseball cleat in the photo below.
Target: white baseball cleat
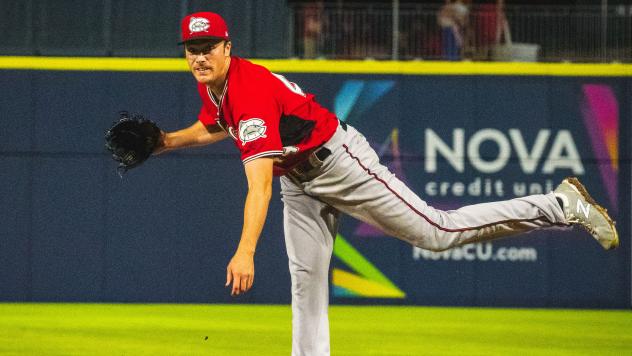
{"x": 580, "y": 208}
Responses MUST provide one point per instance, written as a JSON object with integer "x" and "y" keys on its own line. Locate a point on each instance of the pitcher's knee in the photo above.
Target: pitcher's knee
{"x": 432, "y": 247}
{"x": 305, "y": 282}
{"x": 436, "y": 242}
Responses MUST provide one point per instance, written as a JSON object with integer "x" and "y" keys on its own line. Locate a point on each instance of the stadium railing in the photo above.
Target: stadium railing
{"x": 350, "y": 31}
{"x": 530, "y": 33}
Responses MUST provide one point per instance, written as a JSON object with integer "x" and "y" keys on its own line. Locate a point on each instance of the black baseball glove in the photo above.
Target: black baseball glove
{"x": 132, "y": 140}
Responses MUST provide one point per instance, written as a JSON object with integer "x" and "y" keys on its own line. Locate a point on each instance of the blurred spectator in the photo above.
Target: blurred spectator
{"x": 502, "y": 25}
{"x": 313, "y": 25}
{"x": 491, "y": 29}
{"x": 452, "y": 18}
{"x": 467, "y": 31}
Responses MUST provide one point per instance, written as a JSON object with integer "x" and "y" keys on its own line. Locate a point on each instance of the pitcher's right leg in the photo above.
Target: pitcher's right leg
{"x": 310, "y": 229}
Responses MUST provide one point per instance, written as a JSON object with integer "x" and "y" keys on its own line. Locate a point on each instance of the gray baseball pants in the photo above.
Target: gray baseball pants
{"x": 352, "y": 181}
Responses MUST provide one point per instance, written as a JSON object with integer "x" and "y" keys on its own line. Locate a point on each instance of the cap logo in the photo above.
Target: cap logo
{"x": 198, "y": 24}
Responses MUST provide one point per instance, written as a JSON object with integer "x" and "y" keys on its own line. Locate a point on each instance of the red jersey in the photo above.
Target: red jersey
{"x": 267, "y": 115}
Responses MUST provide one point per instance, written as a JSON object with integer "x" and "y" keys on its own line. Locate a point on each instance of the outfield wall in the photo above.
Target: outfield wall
{"x": 464, "y": 133}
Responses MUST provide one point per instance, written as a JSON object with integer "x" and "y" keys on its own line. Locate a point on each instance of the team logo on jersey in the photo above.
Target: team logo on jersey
{"x": 198, "y": 24}
{"x": 252, "y": 129}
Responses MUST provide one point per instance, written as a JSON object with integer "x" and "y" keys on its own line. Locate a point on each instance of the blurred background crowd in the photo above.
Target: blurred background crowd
{"x": 524, "y": 30}
{"x": 464, "y": 29}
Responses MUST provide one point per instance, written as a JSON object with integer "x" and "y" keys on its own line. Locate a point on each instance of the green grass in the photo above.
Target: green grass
{"x": 104, "y": 329}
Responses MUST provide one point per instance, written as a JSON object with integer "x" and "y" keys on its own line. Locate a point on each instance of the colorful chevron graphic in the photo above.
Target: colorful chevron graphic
{"x": 366, "y": 282}
{"x": 363, "y": 279}
{"x": 600, "y": 110}
{"x": 356, "y": 96}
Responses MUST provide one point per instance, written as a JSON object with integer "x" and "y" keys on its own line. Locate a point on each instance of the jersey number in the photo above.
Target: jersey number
{"x": 290, "y": 85}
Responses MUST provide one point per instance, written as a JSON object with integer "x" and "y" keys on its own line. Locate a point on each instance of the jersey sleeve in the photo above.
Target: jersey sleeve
{"x": 205, "y": 116}
{"x": 258, "y": 129}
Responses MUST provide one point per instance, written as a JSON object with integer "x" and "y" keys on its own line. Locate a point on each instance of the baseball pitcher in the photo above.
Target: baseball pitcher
{"x": 326, "y": 168}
